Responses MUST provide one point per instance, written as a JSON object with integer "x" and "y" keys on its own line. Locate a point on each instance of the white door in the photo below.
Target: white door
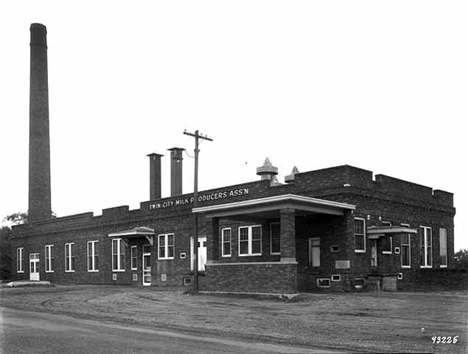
{"x": 146, "y": 265}
{"x": 201, "y": 254}
{"x": 34, "y": 266}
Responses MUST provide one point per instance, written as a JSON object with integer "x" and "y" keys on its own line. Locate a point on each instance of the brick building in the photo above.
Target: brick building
{"x": 338, "y": 228}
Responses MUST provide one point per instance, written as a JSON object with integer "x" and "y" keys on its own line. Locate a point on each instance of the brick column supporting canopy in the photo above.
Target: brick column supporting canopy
{"x": 212, "y": 232}
{"x": 288, "y": 235}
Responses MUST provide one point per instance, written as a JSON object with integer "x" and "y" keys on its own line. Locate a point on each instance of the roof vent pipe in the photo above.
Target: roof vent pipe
{"x": 176, "y": 171}
{"x": 155, "y": 175}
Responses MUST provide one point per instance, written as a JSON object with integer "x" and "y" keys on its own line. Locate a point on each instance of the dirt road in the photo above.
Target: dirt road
{"x": 372, "y": 322}
{"x": 33, "y": 332}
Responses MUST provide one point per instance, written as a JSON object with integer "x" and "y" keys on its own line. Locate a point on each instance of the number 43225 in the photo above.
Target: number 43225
{"x": 444, "y": 340}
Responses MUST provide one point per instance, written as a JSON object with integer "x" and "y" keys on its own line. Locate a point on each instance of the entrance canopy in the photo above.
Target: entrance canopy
{"x": 136, "y": 232}
{"x": 379, "y": 231}
{"x": 269, "y": 207}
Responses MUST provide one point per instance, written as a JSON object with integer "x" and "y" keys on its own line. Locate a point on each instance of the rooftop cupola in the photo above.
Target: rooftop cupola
{"x": 290, "y": 178}
{"x": 268, "y": 171}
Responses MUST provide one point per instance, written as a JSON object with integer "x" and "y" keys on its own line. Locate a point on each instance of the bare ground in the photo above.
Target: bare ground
{"x": 364, "y": 322}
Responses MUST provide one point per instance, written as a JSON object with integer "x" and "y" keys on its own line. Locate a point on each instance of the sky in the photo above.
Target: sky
{"x": 380, "y": 85}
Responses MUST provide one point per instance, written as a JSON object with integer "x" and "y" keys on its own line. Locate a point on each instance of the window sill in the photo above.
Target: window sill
{"x": 165, "y": 259}
{"x": 387, "y": 252}
{"x": 93, "y": 271}
{"x": 250, "y": 255}
{"x": 428, "y": 267}
{"x": 49, "y": 271}
{"x": 69, "y": 271}
{"x": 360, "y": 251}
{"x": 406, "y": 267}
{"x": 118, "y": 270}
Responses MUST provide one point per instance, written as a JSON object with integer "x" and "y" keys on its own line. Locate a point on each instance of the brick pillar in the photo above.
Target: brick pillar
{"x": 212, "y": 238}
{"x": 288, "y": 235}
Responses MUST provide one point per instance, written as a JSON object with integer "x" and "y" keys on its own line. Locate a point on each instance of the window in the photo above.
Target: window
{"x": 387, "y": 244}
{"x": 426, "y": 247}
{"x": 314, "y": 252}
{"x": 359, "y": 235}
{"x": 323, "y": 282}
{"x": 275, "y": 238}
{"x": 49, "y": 258}
{"x": 69, "y": 257}
{"x": 226, "y": 242}
{"x": 118, "y": 255}
{"x": 166, "y": 246}
{"x": 336, "y": 277}
{"x": 133, "y": 257}
{"x": 20, "y": 260}
{"x": 93, "y": 256}
{"x": 405, "y": 251}
{"x": 443, "y": 247}
{"x": 250, "y": 240}
{"x": 334, "y": 248}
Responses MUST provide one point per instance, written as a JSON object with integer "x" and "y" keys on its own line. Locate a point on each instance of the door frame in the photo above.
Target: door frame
{"x": 34, "y": 264}
{"x": 374, "y": 246}
{"x": 143, "y": 269}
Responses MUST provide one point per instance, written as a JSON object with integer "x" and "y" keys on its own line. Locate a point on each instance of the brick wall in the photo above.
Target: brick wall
{"x": 262, "y": 278}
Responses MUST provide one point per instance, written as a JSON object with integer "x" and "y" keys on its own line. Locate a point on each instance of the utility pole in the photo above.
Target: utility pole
{"x": 197, "y": 137}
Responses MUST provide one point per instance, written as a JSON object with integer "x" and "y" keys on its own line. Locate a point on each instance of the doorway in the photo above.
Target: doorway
{"x": 146, "y": 265}
{"x": 201, "y": 254}
{"x": 34, "y": 266}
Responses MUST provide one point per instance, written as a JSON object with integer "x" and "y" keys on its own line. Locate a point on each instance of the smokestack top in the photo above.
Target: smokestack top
{"x": 38, "y": 34}
{"x": 154, "y": 154}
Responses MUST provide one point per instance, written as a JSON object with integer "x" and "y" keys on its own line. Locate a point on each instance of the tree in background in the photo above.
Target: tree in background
{"x": 461, "y": 259}
{"x": 5, "y": 252}
{"x": 5, "y": 243}
{"x": 17, "y": 218}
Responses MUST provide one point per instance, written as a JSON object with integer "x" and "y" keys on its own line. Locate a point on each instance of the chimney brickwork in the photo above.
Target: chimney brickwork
{"x": 39, "y": 141}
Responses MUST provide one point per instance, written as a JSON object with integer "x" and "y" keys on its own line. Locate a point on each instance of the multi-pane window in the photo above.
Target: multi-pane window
{"x": 118, "y": 255}
{"x": 426, "y": 247}
{"x": 314, "y": 252}
{"x": 226, "y": 242}
{"x": 166, "y": 246}
{"x": 69, "y": 257}
{"x": 359, "y": 235}
{"x": 405, "y": 251}
{"x": 443, "y": 247}
{"x": 93, "y": 256}
{"x": 49, "y": 258}
{"x": 20, "y": 260}
{"x": 275, "y": 238}
{"x": 250, "y": 240}
{"x": 133, "y": 257}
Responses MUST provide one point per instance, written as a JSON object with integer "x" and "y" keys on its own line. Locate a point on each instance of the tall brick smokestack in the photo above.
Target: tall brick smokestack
{"x": 155, "y": 176}
{"x": 176, "y": 171}
{"x": 39, "y": 145}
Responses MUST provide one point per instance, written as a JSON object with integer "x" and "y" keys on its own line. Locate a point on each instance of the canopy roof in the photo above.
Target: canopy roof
{"x": 270, "y": 206}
